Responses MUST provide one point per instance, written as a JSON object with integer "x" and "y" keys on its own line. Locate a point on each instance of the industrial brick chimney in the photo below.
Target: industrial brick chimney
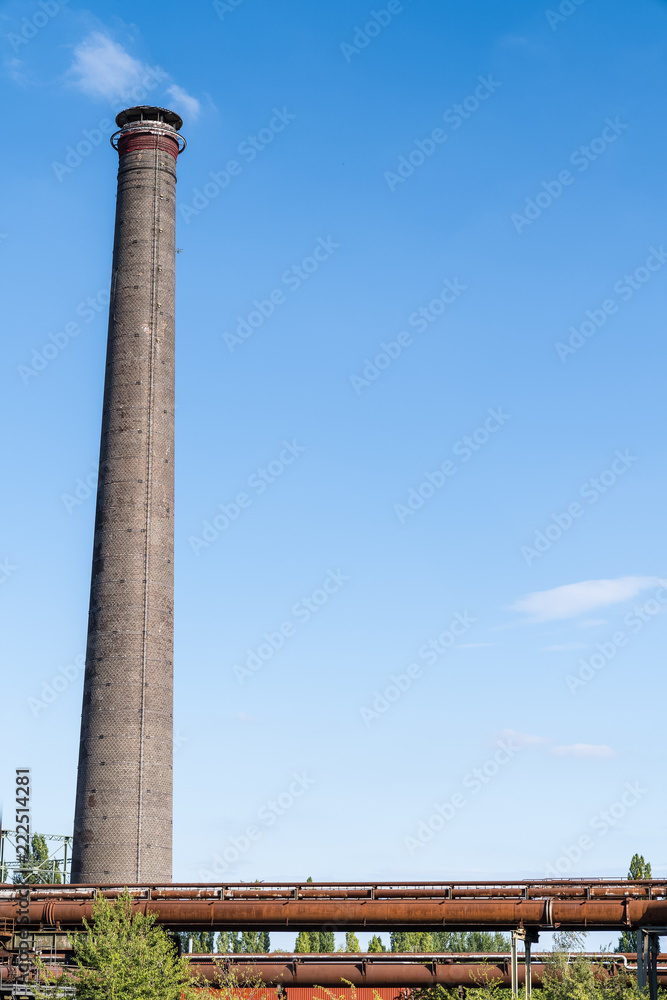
{"x": 123, "y": 813}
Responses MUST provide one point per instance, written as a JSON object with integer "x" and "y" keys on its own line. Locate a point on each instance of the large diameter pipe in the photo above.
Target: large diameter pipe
{"x": 371, "y": 915}
{"x": 409, "y": 975}
{"x": 370, "y": 971}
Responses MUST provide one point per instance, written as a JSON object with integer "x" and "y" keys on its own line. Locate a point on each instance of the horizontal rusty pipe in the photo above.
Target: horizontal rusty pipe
{"x": 600, "y": 888}
{"x": 365, "y": 971}
{"x": 355, "y": 914}
{"x": 373, "y": 970}
{"x": 557, "y": 889}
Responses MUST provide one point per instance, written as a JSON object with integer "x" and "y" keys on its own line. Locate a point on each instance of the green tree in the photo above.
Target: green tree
{"x": 470, "y": 941}
{"x": 243, "y": 942}
{"x": 417, "y": 941}
{"x": 255, "y": 942}
{"x": 302, "y": 944}
{"x": 638, "y": 869}
{"x": 375, "y": 944}
{"x": 576, "y": 980}
{"x": 36, "y": 867}
{"x": 327, "y": 942}
{"x": 352, "y": 942}
{"x": 202, "y": 942}
{"x": 124, "y": 956}
{"x": 308, "y": 942}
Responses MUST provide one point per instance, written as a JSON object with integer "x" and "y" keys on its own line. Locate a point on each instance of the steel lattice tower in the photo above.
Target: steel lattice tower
{"x": 123, "y": 813}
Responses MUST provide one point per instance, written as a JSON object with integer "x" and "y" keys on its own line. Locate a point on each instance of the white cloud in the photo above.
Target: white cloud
{"x": 103, "y": 68}
{"x": 592, "y": 622}
{"x": 184, "y": 102}
{"x": 576, "y": 598}
{"x": 584, "y": 750}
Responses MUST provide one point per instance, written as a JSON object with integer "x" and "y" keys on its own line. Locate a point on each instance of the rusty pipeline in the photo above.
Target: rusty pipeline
{"x": 66, "y": 909}
{"x": 373, "y": 970}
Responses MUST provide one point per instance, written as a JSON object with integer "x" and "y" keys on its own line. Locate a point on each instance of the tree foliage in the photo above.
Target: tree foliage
{"x": 244, "y": 942}
{"x": 327, "y": 942}
{"x": 36, "y": 867}
{"x": 375, "y": 944}
{"x": 302, "y": 945}
{"x": 202, "y": 942}
{"x": 639, "y": 868}
{"x": 352, "y": 942}
{"x": 124, "y": 956}
{"x": 565, "y": 978}
{"x": 449, "y": 941}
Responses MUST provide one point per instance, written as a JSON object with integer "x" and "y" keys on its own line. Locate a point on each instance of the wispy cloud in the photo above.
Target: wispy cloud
{"x": 183, "y": 101}
{"x": 104, "y": 69}
{"x": 474, "y": 645}
{"x": 592, "y": 623}
{"x": 577, "y": 598}
{"x": 584, "y": 750}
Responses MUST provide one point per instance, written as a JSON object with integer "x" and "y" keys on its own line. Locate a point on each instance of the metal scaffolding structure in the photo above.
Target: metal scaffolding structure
{"x": 57, "y": 863}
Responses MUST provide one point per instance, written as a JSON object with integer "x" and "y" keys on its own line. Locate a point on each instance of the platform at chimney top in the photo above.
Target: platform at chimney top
{"x": 148, "y": 113}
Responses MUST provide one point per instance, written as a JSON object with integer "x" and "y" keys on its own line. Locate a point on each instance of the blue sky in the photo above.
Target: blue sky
{"x": 422, "y": 286}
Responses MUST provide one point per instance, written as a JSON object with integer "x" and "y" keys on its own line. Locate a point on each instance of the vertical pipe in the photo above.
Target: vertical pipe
{"x": 515, "y": 965}
{"x": 642, "y": 941}
{"x": 653, "y": 950}
{"x": 123, "y": 812}
{"x": 528, "y": 964}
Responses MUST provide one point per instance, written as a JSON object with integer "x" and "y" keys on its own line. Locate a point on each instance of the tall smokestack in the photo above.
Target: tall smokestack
{"x": 123, "y": 813}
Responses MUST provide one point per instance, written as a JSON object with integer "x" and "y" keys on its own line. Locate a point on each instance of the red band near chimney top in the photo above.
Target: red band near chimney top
{"x": 132, "y": 142}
